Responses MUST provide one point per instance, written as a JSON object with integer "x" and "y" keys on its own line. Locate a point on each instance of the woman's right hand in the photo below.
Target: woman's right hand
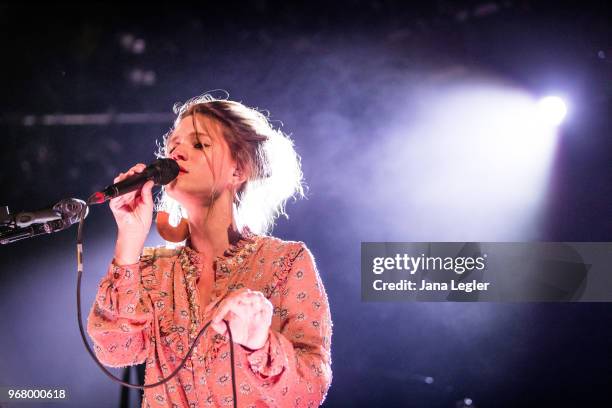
{"x": 133, "y": 213}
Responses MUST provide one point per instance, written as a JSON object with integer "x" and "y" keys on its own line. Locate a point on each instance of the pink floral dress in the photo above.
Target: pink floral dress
{"x": 150, "y": 312}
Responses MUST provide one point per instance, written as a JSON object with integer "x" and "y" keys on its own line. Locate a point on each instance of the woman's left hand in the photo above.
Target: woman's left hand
{"x": 249, "y": 315}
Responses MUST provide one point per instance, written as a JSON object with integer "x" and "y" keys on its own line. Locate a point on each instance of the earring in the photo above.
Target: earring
{"x": 167, "y": 231}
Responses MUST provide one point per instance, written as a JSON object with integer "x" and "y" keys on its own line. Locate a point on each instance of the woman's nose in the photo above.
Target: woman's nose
{"x": 178, "y": 153}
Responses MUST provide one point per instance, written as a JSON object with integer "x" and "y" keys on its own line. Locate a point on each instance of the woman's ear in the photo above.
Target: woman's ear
{"x": 239, "y": 176}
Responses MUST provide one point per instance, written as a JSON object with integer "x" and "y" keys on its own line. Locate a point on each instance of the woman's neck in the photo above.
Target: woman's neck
{"x": 211, "y": 229}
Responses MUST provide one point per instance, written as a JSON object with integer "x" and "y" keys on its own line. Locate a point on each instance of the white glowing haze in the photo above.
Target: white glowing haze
{"x": 473, "y": 165}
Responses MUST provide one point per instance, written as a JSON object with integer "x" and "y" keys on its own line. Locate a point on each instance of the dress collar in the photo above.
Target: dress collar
{"x": 233, "y": 257}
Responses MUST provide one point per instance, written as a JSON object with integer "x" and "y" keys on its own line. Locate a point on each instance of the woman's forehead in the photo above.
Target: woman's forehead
{"x": 203, "y": 125}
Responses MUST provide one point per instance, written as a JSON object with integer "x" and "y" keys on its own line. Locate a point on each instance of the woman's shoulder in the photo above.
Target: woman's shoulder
{"x": 285, "y": 264}
{"x": 274, "y": 245}
{"x": 286, "y": 254}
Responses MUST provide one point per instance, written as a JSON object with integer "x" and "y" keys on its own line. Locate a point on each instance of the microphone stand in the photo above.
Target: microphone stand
{"x": 63, "y": 215}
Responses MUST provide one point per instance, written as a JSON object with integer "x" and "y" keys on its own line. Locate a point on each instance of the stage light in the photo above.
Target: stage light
{"x": 552, "y": 110}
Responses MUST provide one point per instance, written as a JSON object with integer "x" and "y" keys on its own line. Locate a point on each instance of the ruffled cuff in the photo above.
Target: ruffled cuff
{"x": 271, "y": 359}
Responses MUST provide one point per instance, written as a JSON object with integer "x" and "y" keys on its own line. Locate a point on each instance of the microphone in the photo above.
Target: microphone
{"x": 161, "y": 171}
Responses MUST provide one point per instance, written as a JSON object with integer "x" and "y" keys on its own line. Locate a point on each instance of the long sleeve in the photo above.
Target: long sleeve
{"x": 120, "y": 319}
{"x": 293, "y": 368}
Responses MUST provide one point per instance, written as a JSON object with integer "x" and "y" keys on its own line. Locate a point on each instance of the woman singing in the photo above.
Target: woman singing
{"x": 236, "y": 174}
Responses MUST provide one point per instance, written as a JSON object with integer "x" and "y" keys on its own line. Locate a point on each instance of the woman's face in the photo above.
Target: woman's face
{"x": 207, "y": 167}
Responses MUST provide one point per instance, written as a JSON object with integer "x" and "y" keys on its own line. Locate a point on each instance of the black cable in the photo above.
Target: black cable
{"x": 93, "y": 355}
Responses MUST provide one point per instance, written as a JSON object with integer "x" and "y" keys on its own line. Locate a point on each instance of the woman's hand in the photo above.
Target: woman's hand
{"x": 133, "y": 213}
{"x": 249, "y": 315}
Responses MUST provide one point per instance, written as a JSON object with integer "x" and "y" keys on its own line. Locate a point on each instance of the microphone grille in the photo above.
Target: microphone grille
{"x": 166, "y": 170}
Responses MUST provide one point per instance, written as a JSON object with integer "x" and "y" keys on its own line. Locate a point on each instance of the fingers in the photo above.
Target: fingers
{"x": 249, "y": 316}
{"x": 220, "y": 326}
{"x": 226, "y": 305}
{"x": 147, "y": 195}
{"x": 247, "y": 304}
{"x": 138, "y": 168}
{"x": 147, "y": 198}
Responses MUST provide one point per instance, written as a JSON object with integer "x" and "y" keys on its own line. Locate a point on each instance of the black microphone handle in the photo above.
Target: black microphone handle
{"x": 161, "y": 171}
{"x": 128, "y": 185}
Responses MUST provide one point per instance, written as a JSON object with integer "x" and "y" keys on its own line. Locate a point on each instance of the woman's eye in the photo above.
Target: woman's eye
{"x": 198, "y": 145}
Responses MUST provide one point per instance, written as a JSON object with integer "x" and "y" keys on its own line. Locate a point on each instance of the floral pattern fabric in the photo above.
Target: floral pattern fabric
{"x": 150, "y": 312}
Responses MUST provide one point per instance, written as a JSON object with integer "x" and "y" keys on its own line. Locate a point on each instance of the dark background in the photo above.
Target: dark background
{"x": 335, "y": 76}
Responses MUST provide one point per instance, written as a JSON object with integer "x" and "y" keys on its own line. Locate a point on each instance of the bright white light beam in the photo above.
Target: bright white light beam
{"x": 552, "y": 110}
